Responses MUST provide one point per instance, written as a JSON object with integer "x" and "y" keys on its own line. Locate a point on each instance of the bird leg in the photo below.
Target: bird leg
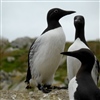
{"x": 39, "y": 86}
{"x": 45, "y": 88}
{"x": 49, "y": 88}
{"x": 28, "y": 86}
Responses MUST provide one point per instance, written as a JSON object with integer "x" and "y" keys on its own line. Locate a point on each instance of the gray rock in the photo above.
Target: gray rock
{"x": 20, "y": 86}
{"x": 22, "y": 42}
{"x": 4, "y": 76}
{"x": 5, "y": 80}
{"x": 10, "y": 59}
{"x": 34, "y": 95}
{"x": 10, "y": 49}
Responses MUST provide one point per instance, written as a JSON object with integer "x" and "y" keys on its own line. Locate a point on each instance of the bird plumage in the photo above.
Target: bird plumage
{"x": 73, "y": 64}
{"x": 44, "y": 54}
{"x": 82, "y": 86}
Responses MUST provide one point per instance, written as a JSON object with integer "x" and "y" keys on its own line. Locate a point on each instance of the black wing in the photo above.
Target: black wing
{"x": 32, "y": 50}
{"x": 98, "y": 69}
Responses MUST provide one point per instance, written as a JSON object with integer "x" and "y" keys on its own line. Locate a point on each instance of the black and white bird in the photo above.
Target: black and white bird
{"x": 82, "y": 86}
{"x": 73, "y": 64}
{"x": 44, "y": 54}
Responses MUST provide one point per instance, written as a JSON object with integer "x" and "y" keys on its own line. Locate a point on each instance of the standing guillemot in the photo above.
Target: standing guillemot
{"x": 44, "y": 55}
{"x": 73, "y": 64}
{"x": 82, "y": 86}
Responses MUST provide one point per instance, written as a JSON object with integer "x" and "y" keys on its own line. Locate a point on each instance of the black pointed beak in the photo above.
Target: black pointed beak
{"x": 63, "y": 53}
{"x": 66, "y": 53}
{"x": 70, "y": 12}
{"x": 73, "y": 53}
{"x": 65, "y": 12}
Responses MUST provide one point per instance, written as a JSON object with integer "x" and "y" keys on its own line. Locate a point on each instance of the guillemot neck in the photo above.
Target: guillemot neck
{"x": 85, "y": 69}
{"x": 52, "y": 25}
{"x": 80, "y": 34}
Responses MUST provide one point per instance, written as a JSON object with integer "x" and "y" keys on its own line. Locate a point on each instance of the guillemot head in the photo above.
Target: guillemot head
{"x": 84, "y": 55}
{"x": 56, "y": 14}
{"x": 79, "y": 21}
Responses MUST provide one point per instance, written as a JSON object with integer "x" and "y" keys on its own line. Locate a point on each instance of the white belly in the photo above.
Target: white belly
{"x": 72, "y": 87}
{"x": 74, "y": 64}
{"x": 48, "y": 56}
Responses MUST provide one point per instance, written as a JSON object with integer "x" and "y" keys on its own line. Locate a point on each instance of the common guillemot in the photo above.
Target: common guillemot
{"x": 82, "y": 86}
{"x": 73, "y": 64}
{"x": 44, "y": 55}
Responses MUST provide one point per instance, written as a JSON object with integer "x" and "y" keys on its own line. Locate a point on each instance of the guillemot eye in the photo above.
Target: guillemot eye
{"x": 56, "y": 11}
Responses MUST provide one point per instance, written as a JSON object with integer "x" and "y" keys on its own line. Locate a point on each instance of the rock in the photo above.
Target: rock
{"x": 10, "y": 49}
{"x": 12, "y": 80}
{"x": 5, "y": 85}
{"x": 22, "y": 42}
{"x": 20, "y": 86}
{"x": 13, "y": 95}
{"x": 13, "y": 88}
{"x": 34, "y": 95}
{"x": 4, "y": 76}
{"x": 10, "y": 59}
{"x": 5, "y": 80}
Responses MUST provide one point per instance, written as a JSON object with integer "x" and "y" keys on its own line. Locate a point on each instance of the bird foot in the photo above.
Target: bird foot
{"x": 28, "y": 86}
{"x": 44, "y": 90}
{"x": 59, "y": 88}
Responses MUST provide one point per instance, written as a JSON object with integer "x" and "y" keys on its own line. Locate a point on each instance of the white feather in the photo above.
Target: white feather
{"x": 72, "y": 88}
{"x": 47, "y": 56}
{"x": 74, "y": 64}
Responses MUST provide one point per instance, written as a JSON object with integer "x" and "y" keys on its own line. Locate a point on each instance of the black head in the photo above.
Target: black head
{"x": 84, "y": 55}
{"x": 79, "y": 21}
{"x": 56, "y": 14}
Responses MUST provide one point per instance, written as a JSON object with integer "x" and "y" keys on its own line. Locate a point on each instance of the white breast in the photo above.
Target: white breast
{"x": 72, "y": 87}
{"x": 74, "y": 64}
{"x": 78, "y": 44}
{"x": 48, "y": 56}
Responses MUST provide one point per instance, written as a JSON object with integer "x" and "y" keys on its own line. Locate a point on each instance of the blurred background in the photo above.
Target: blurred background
{"x": 22, "y": 22}
{"x": 14, "y": 62}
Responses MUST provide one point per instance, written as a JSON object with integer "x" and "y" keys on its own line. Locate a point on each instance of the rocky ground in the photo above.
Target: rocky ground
{"x": 34, "y": 95}
{"x": 12, "y": 87}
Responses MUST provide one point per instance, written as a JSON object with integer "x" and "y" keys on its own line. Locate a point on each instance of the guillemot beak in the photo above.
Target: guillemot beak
{"x": 65, "y": 12}
{"x": 63, "y": 53}
{"x": 70, "y": 12}
{"x": 73, "y": 54}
